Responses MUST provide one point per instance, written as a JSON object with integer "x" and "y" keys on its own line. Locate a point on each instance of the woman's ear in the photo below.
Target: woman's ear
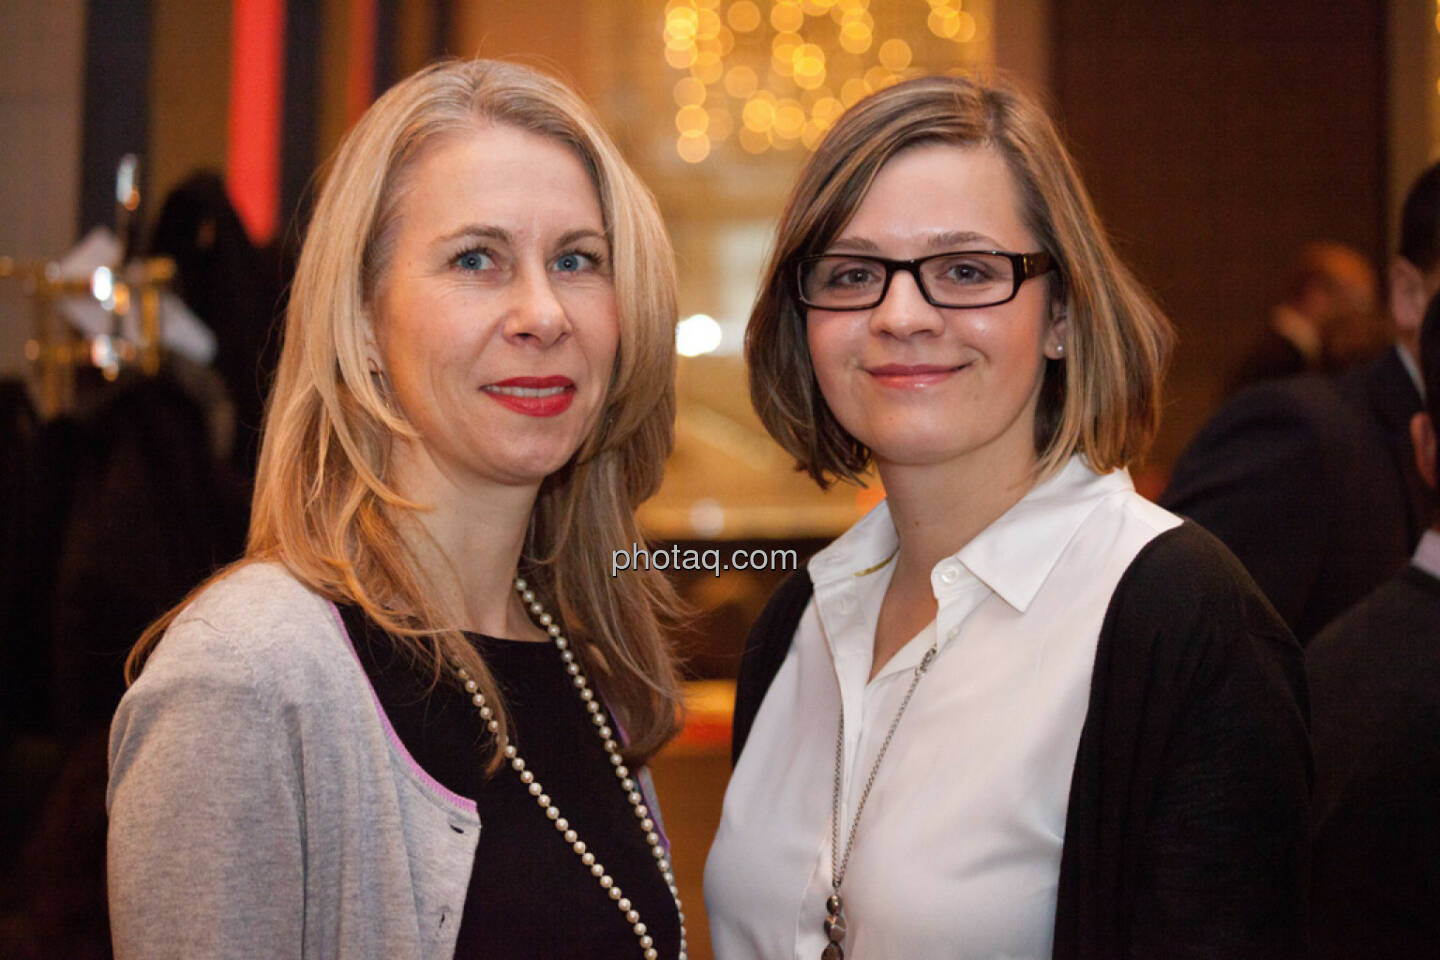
{"x": 1059, "y": 333}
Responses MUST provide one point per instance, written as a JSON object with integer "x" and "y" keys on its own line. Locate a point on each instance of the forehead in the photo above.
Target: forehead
{"x": 498, "y": 171}
{"x": 932, "y": 193}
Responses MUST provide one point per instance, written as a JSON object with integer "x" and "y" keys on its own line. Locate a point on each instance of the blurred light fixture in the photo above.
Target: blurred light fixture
{"x": 696, "y": 335}
{"x": 779, "y": 73}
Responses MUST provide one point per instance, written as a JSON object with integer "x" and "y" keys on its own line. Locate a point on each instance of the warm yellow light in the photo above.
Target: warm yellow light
{"x": 786, "y": 16}
{"x": 878, "y": 78}
{"x": 855, "y": 37}
{"x": 759, "y": 115}
{"x": 721, "y": 124}
{"x": 680, "y": 59}
{"x": 812, "y": 135}
{"x": 816, "y": 8}
{"x": 707, "y": 4}
{"x": 895, "y": 54}
{"x": 743, "y": 16}
{"x": 808, "y": 59}
{"x": 726, "y": 39}
{"x": 967, "y": 28}
{"x": 707, "y": 25}
{"x": 674, "y": 5}
{"x": 681, "y": 24}
{"x": 782, "y": 53}
{"x": 692, "y": 119}
{"x": 789, "y": 119}
{"x": 689, "y": 91}
{"x": 825, "y": 112}
{"x": 943, "y": 22}
{"x": 741, "y": 82}
{"x": 811, "y": 97}
{"x": 854, "y": 90}
{"x": 786, "y": 40}
{"x": 708, "y": 68}
{"x": 810, "y": 82}
{"x": 753, "y": 141}
{"x": 693, "y": 147}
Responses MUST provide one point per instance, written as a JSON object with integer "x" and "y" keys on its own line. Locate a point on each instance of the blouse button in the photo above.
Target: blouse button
{"x": 846, "y": 604}
{"x": 950, "y": 575}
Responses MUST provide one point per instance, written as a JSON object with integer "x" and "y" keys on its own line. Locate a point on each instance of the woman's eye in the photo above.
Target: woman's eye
{"x": 474, "y": 260}
{"x": 576, "y": 261}
{"x": 852, "y": 276}
{"x": 968, "y": 272}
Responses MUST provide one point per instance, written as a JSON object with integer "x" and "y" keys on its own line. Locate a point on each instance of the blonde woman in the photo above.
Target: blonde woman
{"x": 412, "y": 721}
{"x": 1016, "y": 711}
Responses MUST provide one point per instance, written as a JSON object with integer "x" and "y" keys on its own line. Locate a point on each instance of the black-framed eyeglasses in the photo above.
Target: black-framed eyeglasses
{"x": 963, "y": 278}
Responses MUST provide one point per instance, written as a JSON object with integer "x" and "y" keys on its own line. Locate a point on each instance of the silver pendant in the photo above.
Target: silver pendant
{"x": 835, "y": 928}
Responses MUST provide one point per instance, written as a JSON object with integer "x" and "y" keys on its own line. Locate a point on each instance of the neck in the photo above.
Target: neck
{"x": 468, "y": 545}
{"x": 938, "y": 509}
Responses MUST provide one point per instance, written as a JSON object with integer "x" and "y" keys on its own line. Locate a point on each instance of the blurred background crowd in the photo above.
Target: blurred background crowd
{"x": 1250, "y": 159}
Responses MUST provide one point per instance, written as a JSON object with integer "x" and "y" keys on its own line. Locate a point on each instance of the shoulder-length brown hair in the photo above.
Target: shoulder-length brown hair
{"x": 1102, "y": 400}
{"x": 325, "y": 505}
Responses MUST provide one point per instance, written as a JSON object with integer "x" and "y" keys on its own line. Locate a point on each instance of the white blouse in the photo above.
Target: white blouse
{"x": 958, "y": 851}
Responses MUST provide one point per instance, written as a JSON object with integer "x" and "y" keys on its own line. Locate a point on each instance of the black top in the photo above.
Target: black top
{"x": 1186, "y": 825}
{"x": 529, "y": 895}
{"x": 1375, "y": 687}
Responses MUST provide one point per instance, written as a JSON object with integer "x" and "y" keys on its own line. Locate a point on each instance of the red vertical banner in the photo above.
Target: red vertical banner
{"x": 256, "y": 85}
{"x": 360, "y": 75}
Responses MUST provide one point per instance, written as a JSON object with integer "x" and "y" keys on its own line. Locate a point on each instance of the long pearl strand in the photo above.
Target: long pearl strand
{"x": 622, "y": 773}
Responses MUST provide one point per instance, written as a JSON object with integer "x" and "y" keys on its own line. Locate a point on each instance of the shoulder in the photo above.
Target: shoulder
{"x": 1186, "y": 599}
{"x": 1395, "y": 626}
{"x": 257, "y": 625}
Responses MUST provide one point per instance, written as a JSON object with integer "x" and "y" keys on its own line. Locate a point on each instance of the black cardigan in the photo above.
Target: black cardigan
{"x": 1186, "y": 826}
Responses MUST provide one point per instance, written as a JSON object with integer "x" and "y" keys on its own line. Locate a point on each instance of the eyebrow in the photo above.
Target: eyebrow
{"x": 949, "y": 240}
{"x": 479, "y": 231}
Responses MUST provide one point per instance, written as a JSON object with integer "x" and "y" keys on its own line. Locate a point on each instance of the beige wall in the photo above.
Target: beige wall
{"x": 189, "y": 93}
{"x": 41, "y": 72}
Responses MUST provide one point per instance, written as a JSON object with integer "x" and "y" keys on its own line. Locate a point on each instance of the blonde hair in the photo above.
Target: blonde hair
{"x": 324, "y": 503}
{"x": 1103, "y": 400}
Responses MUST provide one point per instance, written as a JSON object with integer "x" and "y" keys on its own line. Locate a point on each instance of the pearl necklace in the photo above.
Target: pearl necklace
{"x": 622, "y": 773}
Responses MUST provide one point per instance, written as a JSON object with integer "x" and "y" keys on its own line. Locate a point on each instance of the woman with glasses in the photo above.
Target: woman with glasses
{"x": 1016, "y": 710}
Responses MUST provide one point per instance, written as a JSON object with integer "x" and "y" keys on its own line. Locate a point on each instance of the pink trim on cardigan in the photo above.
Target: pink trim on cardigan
{"x": 435, "y": 786}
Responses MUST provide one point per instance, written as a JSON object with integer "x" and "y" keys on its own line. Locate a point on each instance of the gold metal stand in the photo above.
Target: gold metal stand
{"x": 56, "y": 349}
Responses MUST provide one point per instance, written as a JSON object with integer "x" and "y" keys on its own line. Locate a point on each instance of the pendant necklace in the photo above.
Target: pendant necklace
{"x": 835, "y": 925}
{"x": 627, "y": 783}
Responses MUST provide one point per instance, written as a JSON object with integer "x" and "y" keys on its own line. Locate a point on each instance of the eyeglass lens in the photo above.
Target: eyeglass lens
{"x": 958, "y": 279}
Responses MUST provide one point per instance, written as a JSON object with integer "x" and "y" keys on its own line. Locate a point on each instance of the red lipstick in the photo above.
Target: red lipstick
{"x": 533, "y": 396}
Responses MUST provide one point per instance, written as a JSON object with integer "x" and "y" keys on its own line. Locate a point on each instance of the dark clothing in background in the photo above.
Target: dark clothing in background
{"x": 1312, "y": 483}
{"x": 1186, "y": 826}
{"x": 1271, "y": 357}
{"x": 235, "y": 288}
{"x": 1375, "y": 698}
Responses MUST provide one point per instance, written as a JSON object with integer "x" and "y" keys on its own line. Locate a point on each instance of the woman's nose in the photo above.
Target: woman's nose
{"x": 534, "y": 311}
{"x": 905, "y": 312}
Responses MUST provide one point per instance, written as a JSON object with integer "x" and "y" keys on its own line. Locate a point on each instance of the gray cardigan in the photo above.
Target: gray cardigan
{"x": 261, "y": 805}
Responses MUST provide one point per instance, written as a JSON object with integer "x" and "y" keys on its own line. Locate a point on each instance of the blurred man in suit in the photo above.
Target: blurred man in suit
{"x": 1375, "y": 726}
{"x": 1311, "y": 480}
{"x": 1327, "y": 320}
